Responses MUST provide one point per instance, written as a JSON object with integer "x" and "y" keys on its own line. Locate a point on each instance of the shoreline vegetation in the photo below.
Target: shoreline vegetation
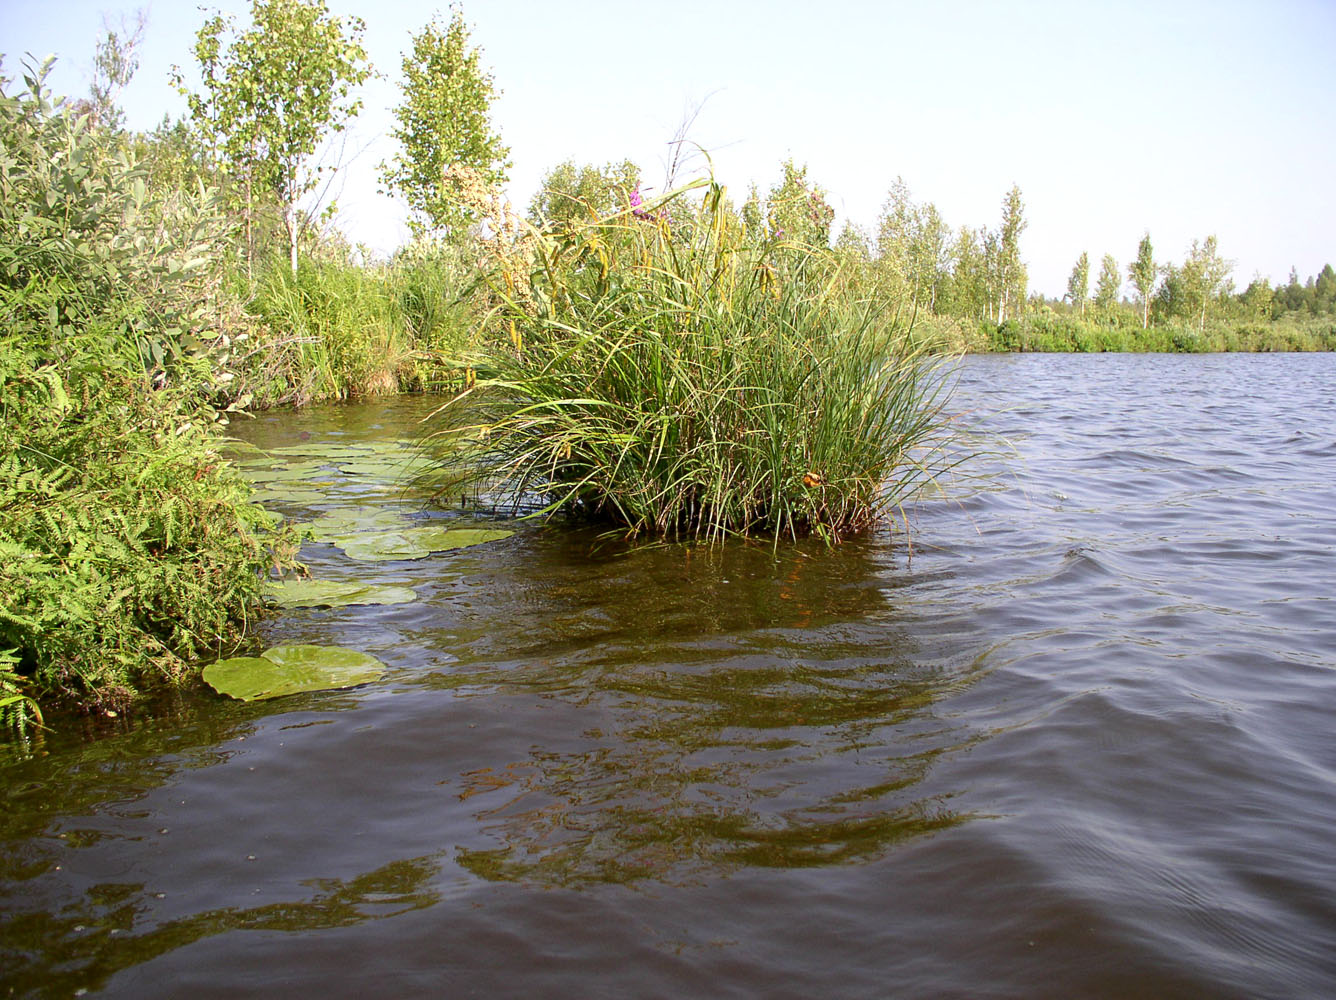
{"x": 679, "y": 365}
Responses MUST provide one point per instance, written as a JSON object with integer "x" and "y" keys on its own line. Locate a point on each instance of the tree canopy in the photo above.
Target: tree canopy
{"x": 444, "y": 120}
{"x": 271, "y": 94}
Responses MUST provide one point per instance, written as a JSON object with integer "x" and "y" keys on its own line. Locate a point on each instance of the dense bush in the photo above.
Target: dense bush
{"x": 127, "y": 544}
{"x": 1045, "y": 329}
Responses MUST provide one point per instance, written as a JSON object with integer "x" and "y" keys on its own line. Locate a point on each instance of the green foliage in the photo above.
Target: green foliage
{"x": 115, "y": 63}
{"x": 1009, "y": 269}
{"x": 1144, "y": 274}
{"x": 274, "y": 94}
{"x": 1047, "y": 329}
{"x": 966, "y": 288}
{"x": 693, "y": 386}
{"x": 914, "y": 248}
{"x": 443, "y": 120}
{"x": 1109, "y": 284}
{"x": 434, "y": 288}
{"x": 1078, "y": 285}
{"x": 571, "y": 195}
{"x": 344, "y": 331}
{"x": 127, "y": 546}
{"x": 18, "y": 710}
{"x": 342, "y": 336}
{"x": 797, "y": 209}
{"x": 1315, "y": 297}
{"x": 1204, "y": 277}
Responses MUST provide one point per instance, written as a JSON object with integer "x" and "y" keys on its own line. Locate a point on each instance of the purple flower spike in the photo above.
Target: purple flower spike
{"x": 636, "y": 202}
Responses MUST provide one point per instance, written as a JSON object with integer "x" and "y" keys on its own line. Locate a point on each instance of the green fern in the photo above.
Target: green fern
{"x": 111, "y": 494}
{"x": 18, "y": 710}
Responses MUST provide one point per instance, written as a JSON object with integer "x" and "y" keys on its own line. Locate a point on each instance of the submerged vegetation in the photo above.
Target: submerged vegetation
{"x": 680, "y": 367}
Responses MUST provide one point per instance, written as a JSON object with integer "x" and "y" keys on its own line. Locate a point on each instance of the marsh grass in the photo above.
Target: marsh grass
{"x": 669, "y": 379}
{"x": 339, "y": 330}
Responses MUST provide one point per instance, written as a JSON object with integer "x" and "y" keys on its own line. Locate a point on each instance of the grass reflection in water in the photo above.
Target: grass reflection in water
{"x": 769, "y": 712}
{"x": 84, "y": 945}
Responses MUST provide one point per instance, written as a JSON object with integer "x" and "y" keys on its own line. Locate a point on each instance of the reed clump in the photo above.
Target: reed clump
{"x": 661, "y": 374}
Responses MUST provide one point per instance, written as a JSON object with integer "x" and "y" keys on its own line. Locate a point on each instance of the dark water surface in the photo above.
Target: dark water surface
{"x": 1081, "y": 744}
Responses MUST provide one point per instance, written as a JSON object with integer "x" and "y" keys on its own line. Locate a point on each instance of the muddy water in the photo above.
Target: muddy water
{"x": 1079, "y": 742}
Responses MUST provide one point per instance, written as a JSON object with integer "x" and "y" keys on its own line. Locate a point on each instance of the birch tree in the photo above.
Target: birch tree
{"x": 1203, "y": 277}
{"x": 1144, "y": 274}
{"x": 1078, "y": 285}
{"x": 443, "y": 120}
{"x": 273, "y": 95}
{"x": 1011, "y": 273}
{"x": 1109, "y": 284}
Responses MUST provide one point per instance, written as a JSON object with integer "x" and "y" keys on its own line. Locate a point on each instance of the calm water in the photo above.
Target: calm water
{"x": 1079, "y": 743}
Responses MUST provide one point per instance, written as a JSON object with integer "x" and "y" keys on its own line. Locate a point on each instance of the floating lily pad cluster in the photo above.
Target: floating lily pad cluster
{"x": 373, "y": 519}
{"x": 355, "y": 473}
{"x": 314, "y": 471}
{"x": 286, "y": 670}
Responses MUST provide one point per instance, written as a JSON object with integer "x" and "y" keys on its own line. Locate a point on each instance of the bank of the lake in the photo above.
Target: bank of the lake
{"x": 1077, "y": 744}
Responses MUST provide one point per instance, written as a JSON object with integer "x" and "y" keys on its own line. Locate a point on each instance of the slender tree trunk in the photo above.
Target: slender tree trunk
{"x": 290, "y": 219}
{"x": 250, "y": 230}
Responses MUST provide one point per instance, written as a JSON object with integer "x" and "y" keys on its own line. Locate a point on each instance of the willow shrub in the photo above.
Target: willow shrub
{"x": 668, "y": 378}
{"x": 128, "y": 547}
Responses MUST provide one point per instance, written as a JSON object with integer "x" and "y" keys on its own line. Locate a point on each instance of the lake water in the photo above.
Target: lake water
{"x": 1079, "y": 742}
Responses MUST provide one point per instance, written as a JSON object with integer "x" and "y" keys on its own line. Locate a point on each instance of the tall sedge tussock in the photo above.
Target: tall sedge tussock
{"x": 660, "y": 374}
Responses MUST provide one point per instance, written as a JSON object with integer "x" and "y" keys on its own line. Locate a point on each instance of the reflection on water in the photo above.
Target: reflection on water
{"x": 103, "y": 936}
{"x": 740, "y": 720}
{"x": 1078, "y": 744}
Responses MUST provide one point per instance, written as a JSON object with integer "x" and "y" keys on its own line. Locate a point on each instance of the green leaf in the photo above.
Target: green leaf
{"x": 346, "y": 523}
{"x": 336, "y": 450}
{"x": 414, "y": 543}
{"x": 381, "y": 546}
{"x": 285, "y": 495}
{"x": 336, "y": 594}
{"x": 443, "y": 539}
{"x": 286, "y": 670}
{"x": 391, "y": 467}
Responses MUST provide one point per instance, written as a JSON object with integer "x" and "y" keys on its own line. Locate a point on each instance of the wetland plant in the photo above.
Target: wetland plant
{"x": 128, "y": 546}
{"x": 656, "y": 371}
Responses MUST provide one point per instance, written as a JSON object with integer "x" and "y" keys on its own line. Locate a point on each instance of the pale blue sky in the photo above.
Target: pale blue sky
{"x": 1181, "y": 118}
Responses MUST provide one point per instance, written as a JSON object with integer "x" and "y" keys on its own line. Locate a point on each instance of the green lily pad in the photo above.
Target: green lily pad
{"x": 414, "y": 543}
{"x": 344, "y": 523}
{"x": 329, "y": 450}
{"x": 290, "y": 669}
{"x": 237, "y": 450}
{"x": 395, "y": 467}
{"x": 281, "y": 495}
{"x": 443, "y": 539}
{"x": 379, "y": 546}
{"x": 336, "y": 594}
{"x": 283, "y": 474}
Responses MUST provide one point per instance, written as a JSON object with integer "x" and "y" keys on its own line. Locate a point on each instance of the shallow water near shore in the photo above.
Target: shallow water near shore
{"x": 1076, "y": 741}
